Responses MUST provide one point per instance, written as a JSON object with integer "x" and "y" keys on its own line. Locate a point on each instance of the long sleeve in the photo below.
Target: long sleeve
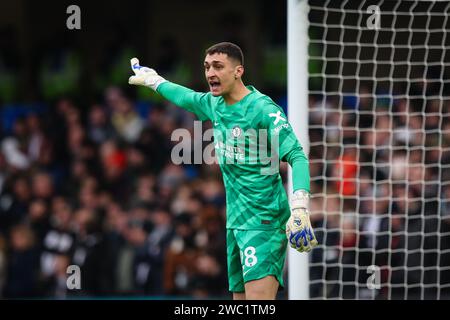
{"x": 289, "y": 148}
{"x": 196, "y": 102}
{"x": 300, "y": 169}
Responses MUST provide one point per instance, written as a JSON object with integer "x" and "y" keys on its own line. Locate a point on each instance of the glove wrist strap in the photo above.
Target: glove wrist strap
{"x": 300, "y": 200}
{"x": 154, "y": 82}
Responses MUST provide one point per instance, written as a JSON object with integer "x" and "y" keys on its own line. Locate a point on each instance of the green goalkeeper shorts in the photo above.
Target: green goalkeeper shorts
{"x": 254, "y": 254}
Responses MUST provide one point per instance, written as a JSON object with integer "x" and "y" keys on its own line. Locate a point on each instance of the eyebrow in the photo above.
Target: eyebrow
{"x": 213, "y": 62}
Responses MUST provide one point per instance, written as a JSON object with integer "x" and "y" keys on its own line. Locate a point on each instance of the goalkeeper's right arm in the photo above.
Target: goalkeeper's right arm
{"x": 181, "y": 96}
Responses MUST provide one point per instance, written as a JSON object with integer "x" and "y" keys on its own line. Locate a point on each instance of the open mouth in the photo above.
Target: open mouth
{"x": 214, "y": 85}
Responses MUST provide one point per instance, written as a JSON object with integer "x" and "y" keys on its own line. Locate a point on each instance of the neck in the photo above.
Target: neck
{"x": 239, "y": 92}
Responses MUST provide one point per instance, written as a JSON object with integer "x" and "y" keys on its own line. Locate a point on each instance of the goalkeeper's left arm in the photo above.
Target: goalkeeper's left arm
{"x": 298, "y": 228}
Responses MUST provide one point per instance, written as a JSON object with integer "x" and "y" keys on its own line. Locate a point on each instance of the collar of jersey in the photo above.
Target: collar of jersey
{"x": 252, "y": 91}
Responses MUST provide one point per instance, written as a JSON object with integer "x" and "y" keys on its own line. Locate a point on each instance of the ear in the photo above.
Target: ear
{"x": 239, "y": 71}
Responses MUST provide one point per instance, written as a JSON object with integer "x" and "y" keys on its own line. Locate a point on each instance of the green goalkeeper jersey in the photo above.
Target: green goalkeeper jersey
{"x": 250, "y": 137}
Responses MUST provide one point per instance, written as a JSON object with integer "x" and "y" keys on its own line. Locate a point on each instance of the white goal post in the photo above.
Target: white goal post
{"x": 298, "y": 281}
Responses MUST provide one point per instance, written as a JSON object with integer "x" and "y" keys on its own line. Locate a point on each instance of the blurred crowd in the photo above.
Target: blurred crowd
{"x": 95, "y": 187}
{"x": 380, "y": 181}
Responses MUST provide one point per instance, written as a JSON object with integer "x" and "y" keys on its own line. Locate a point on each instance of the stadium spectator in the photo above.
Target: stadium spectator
{"x": 92, "y": 253}
{"x": 15, "y": 148}
{"x": 99, "y": 128}
{"x": 16, "y": 197}
{"x": 22, "y": 264}
{"x": 124, "y": 118}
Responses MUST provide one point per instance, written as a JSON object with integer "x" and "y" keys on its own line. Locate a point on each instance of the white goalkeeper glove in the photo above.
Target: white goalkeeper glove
{"x": 144, "y": 76}
{"x": 299, "y": 232}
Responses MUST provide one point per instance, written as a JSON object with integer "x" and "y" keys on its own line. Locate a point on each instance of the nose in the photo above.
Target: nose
{"x": 210, "y": 73}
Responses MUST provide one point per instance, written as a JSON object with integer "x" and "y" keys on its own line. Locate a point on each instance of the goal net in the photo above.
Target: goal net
{"x": 379, "y": 101}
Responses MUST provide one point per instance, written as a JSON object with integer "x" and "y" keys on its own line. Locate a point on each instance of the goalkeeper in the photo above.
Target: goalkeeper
{"x": 260, "y": 221}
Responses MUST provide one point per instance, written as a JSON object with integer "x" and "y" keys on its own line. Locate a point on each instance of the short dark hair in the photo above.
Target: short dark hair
{"x": 232, "y": 50}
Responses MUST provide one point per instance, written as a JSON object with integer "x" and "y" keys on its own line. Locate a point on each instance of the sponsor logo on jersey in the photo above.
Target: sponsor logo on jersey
{"x": 283, "y": 126}
{"x": 278, "y": 117}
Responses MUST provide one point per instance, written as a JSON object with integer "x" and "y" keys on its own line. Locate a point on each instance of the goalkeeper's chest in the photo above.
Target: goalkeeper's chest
{"x": 236, "y": 124}
{"x": 239, "y": 140}
{"x": 226, "y": 129}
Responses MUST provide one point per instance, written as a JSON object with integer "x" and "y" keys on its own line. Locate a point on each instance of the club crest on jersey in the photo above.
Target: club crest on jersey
{"x": 236, "y": 131}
